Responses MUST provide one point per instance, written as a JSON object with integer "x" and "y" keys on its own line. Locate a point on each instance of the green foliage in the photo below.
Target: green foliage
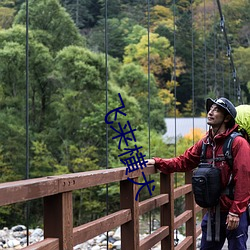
{"x": 42, "y": 162}
{"x": 242, "y": 63}
{"x": 6, "y": 17}
{"x": 118, "y": 32}
{"x": 12, "y": 59}
{"x": 161, "y": 16}
{"x": 138, "y": 53}
{"x": 13, "y": 148}
{"x": 84, "y": 13}
{"x": 53, "y": 25}
{"x": 137, "y": 84}
{"x": 68, "y": 99}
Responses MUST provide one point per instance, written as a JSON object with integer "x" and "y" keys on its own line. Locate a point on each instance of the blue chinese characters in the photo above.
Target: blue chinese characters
{"x": 135, "y": 159}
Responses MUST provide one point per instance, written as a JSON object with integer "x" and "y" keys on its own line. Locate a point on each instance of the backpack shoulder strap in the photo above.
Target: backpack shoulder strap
{"x": 203, "y": 152}
{"x": 227, "y": 148}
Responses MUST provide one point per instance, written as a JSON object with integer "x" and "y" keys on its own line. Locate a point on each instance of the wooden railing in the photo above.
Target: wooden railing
{"x": 59, "y": 232}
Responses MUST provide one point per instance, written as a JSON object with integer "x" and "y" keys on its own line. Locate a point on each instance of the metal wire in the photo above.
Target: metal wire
{"x": 205, "y": 50}
{"x": 174, "y": 74}
{"x": 175, "y": 107}
{"x": 106, "y": 82}
{"x": 27, "y": 207}
{"x": 236, "y": 82}
{"x": 192, "y": 77}
{"x": 215, "y": 51}
{"x": 148, "y": 24}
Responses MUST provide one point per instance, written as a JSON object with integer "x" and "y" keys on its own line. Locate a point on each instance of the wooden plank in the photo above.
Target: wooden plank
{"x": 178, "y": 192}
{"x": 98, "y": 177}
{"x": 167, "y": 210}
{"x": 152, "y": 203}
{"x": 90, "y": 230}
{"x": 198, "y": 209}
{"x": 130, "y": 230}
{"x": 154, "y": 238}
{"x": 58, "y": 219}
{"x": 190, "y": 205}
{"x": 182, "y": 218}
{"x": 198, "y": 231}
{"x": 185, "y": 244}
{"x": 46, "y": 244}
{"x": 24, "y": 190}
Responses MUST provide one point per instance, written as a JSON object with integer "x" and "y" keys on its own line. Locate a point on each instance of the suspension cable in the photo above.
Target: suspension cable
{"x": 215, "y": 52}
{"x": 221, "y": 68}
{"x": 175, "y": 95}
{"x": 229, "y": 53}
{"x": 27, "y": 207}
{"x": 174, "y": 75}
{"x": 149, "y": 121}
{"x": 106, "y": 82}
{"x": 205, "y": 50}
{"x": 192, "y": 76}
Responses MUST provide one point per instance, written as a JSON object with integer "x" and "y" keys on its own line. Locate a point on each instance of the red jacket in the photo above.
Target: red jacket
{"x": 241, "y": 167}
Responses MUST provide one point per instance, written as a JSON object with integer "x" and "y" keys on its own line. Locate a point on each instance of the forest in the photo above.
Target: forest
{"x": 63, "y": 70}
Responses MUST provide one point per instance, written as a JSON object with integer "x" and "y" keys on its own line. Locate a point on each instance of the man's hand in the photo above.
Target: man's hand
{"x": 150, "y": 162}
{"x": 232, "y": 221}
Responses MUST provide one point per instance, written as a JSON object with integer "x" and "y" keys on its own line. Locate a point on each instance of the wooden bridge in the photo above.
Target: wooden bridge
{"x": 59, "y": 233}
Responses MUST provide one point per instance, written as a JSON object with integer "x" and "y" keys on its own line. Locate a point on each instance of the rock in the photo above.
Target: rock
{"x": 16, "y": 238}
{"x": 91, "y": 242}
{"x": 100, "y": 238}
{"x": 3, "y": 233}
{"x": 103, "y": 243}
{"x": 111, "y": 233}
{"x": 13, "y": 243}
{"x": 18, "y": 234}
{"x": 23, "y": 240}
{"x": 111, "y": 240}
{"x": 38, "y": 232}
{"x": 18, "y": 228}
{"x": 117, "y": 244}
{"x": 81, "y": 246}
{"x": 117, "y": 235}
{"x": 95, "y": 248}
{"x": 18, "y": 247}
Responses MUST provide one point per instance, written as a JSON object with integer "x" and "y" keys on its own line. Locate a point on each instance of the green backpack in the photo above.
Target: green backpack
{"x": 243, "y": 120}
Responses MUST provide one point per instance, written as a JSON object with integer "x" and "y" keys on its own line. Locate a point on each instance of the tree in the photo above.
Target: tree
{"x": 242, "y": 64}
{"x": 40, "y": 60}
{"x": 136, "y": 82}
{"x": 6, "y": 17}
{"x": 80, "y": 103}
{"x": 161, "y": 57}
{"x": 42, "y": 163}
{"x": 53, "y": 25}
{"x": 84, "y": 13}
{"x": 118, "y": 31}
{"x": 161, "y": 16}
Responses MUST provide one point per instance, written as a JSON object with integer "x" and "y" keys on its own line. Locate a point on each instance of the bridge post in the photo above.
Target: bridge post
{"x": 190, "y": 205}
{"x": 167, "y": 210}
{"x": 130, "y": 230}
{"x": 58, "y": 219}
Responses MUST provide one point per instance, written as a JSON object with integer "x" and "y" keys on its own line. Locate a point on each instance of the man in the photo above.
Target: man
{"x": 221, "y": 115}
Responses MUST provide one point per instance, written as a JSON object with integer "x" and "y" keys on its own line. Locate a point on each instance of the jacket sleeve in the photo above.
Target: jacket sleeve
{"x": 241, "y": 175}
{"x": 185, "y": 162}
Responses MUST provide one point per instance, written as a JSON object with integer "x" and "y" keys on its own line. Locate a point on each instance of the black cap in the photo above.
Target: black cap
{"x": 223, "y": 103}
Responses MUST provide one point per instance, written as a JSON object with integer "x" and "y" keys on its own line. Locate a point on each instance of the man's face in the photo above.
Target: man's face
{"x": 215, "y": 116}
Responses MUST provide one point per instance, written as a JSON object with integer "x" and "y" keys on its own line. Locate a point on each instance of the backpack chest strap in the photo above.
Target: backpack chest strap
{"x": 217, "y": 159}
